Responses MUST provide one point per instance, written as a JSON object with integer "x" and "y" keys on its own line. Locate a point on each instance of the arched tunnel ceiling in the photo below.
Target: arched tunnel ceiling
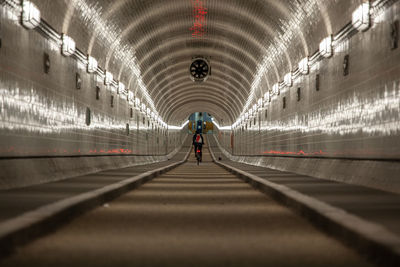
{"x": 238, "y": 34}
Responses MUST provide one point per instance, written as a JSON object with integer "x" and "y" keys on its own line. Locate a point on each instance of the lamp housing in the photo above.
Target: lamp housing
{"x": 121, "y": 88}
{"x": 303, "y": 66}
{"x": 325, "y": 47}
{"x": 131, "y": 97}
{"x": 68, "y": 45}
{"x": 287, "y": 79}
{"x": 255, "y": 108}
{"x": 137, "y": 103}
{"x": 108, "y": 78}
{"x": 30, "y": 18}
{"x": 92, "y": 64}
{"x": 260, "y": 103}
{"x": 360, "y": 17}
{"x": 275, "y": 89}
{"x": 267, "y": 96}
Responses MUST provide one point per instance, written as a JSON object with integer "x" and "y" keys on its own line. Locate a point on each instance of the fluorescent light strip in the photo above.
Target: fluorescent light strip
{"x": 173, "y": 127}
{"x": 219, "y": 127}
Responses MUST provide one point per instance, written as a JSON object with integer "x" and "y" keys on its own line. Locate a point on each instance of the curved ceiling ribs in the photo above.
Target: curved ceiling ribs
{"x": 224, "y": 83}
{"x": 237, "y": 36}
{"x": 226, "y": 95}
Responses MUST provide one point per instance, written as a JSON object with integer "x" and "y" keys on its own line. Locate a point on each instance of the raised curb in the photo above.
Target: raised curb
{"x": 36, "y": 223}
{"x": 370, "y": 239}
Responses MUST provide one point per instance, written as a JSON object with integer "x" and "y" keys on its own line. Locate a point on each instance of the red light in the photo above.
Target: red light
{"x": 301, "y": 152}
{"x": 199, "y": 19}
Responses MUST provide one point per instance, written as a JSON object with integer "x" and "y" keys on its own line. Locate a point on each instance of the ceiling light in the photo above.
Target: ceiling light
{"x": 68, "y": 45}
{"x": 275, "y": 89}
{"x": 92, "y": 64}
{"x": 288, "y": 79}
{"x": 137, "y": 103}
{"x": 267, "y": 97}
{"x": 121, "y": 88}
{"x": 131, "y": 97}
{"x": 325, "y": 47}
{"x": 254, "y": 108}
{"x": 30, "y": 15}
{"x": 303, "y": 66}
{"x": 260, "y": 103}
{"x": 360, "y": 17}
{"x": 108, "y": 78}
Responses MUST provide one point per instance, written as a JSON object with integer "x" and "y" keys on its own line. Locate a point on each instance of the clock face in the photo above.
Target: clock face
{"x": 199, "y": 69}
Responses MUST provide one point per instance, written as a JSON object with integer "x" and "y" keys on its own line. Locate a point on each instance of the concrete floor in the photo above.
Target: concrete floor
{"x": 190, "y": 216}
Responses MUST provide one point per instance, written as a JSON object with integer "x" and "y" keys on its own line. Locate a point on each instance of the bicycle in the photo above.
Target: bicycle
{"x": 198, "y": 155}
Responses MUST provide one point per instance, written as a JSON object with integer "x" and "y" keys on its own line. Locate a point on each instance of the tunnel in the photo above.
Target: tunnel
{"x": 199, "y": 133}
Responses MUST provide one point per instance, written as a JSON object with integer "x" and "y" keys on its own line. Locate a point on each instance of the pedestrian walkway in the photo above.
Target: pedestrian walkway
{"x": 365, "y": 218}
{"x": 15, "y": 202}
{"x": 190, "y": 216}
{"x": 368, "y": 203}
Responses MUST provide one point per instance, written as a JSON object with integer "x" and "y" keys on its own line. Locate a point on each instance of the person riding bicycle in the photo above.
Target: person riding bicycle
{"x": 198, "y": 142}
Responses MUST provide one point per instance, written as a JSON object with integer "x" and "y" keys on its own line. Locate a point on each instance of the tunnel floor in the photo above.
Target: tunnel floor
{"x": 190, "y": 216}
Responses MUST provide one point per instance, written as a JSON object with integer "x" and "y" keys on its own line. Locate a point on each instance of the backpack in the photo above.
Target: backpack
{"x": 198, "y": 139}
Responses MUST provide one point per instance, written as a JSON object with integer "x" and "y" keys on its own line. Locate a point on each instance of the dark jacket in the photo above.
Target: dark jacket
{"x": 201, "y": 139}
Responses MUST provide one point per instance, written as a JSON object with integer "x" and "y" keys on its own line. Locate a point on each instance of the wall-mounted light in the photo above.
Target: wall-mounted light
{"x": 303, "y": 66}
{"x": 260, "y": 104}
{"x": 275, "y": 89}
{"x": 325, "y": 47}
{"x": 108, "y": 78}
{"x": 267, "y": 97}
{"x": 254, "y": 108}
{"x": 124, "y": 94}
{"x": 360, "y": 17}
{"x": 148, "y": 111}
{"x": 121, "y": 88}
{"x": 112, "y": 88}
{"x": 68, "y": 45}
{"x": 30, "y": 15}
{"x": 287, "y": 79}
{"x": 92, "y": 64}
{"x": 131, "y": 97}
{"x": 143, "y": 109}
{"x": 137, "y": 103}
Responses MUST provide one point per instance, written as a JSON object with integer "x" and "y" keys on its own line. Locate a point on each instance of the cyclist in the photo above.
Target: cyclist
{"x": 198, "y": 142}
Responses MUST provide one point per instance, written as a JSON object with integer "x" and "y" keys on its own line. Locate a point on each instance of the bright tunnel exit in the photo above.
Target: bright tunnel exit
{"x": 201, "y": 122}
